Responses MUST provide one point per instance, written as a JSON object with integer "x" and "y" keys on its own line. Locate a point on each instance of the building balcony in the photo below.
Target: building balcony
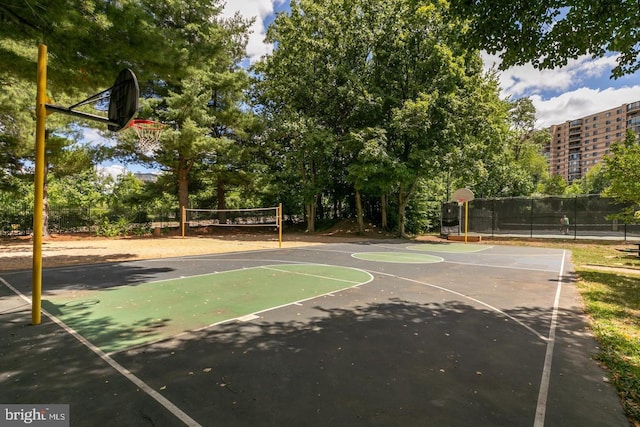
{"x": 634, "y": 106}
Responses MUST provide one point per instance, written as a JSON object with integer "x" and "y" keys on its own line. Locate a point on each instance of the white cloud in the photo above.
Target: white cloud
{"x": 114, "y": 170}
{"x": 580, "y": 88}
{"x": 524, "y": 80}
{"x": 260, "y": 10}
{"x": 580, "y": 103}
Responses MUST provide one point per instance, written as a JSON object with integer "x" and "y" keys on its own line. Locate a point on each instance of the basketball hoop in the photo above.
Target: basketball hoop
{"x": 148, "y": 133}
{"x": 461, "y": 202}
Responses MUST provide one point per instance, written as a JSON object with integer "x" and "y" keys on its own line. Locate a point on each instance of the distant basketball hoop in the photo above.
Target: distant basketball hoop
{"x": 463, "y": 196}
{"x": 148, "y": 133}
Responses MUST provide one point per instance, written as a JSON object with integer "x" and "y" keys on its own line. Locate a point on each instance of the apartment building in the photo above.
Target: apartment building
{"x": 577, "y": 145}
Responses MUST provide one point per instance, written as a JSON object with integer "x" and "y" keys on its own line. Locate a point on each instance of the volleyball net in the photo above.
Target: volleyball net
{"x": 251, "y": 217}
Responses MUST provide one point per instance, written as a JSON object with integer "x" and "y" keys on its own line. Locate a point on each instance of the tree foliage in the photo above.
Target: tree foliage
{"x": 365, "y": 108}
{"x": 385, "y": 91}
{"x": 547, "y": 33}
{"x": 622, "y": 170}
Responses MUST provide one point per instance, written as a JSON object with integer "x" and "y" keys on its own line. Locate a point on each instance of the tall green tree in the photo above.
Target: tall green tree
{"x": 16, "y": 130}
{"x": 622, "y": 169}
{"x": 555, "y": 185}
{"x": 595, "y": 181}
{"x": 172, "y": 46}
{"x": 90, "y": 41}
{"x": 313, "y": 93}
{"x": 350, "y": 67}
{"x": 203, "y": 110}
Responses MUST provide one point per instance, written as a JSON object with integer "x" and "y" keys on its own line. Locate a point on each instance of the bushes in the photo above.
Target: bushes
{"x": 122, "y": 227}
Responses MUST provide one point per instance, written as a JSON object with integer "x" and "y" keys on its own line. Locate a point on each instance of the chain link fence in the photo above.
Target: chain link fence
{"x": 19, "y": 221}
{"x": 588, "y": 217}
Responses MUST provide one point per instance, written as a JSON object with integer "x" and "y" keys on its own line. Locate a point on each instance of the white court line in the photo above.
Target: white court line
{"x": 470, "y": 298}
{"x": 404, "y": 256}
{"x": 415, "y": 246}
{"x": 541, "y": 407}
{"x": 267, "y": 267}
{"x": 115, "y": 365}
{"x": 451, "y": 262}
{"x": 507, "y": 267}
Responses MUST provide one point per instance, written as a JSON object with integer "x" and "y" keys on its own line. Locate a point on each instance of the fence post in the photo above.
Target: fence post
{"x": 575, "y": 217}
{"x": 531, "y": 220}
{"x": 493, "y": 217}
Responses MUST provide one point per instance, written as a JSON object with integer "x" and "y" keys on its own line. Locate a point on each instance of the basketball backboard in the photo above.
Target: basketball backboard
{"x": 123, "y": 101}
{"x": 462, "y": 195}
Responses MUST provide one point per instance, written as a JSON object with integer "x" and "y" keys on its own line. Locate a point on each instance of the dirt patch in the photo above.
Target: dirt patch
{"x": 59, "y": 250}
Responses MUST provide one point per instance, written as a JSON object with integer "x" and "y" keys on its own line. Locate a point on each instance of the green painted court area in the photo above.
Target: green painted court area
{"x": 399, "y": 257}
{"x": 451, "y": 248}
{"x": 119, "y": 318}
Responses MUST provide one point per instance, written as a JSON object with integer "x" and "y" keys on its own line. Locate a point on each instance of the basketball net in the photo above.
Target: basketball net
{"x": 148, "y": 133}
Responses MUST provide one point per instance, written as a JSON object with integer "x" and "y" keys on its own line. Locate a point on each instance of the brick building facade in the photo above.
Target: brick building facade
{"x": 577, "y": 145}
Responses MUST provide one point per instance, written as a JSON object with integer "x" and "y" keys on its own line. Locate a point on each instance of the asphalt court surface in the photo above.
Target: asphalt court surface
{"x": 439, "y": 334}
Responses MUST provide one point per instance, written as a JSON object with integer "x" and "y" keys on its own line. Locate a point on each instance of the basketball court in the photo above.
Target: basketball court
{"x": 376, "y": 333}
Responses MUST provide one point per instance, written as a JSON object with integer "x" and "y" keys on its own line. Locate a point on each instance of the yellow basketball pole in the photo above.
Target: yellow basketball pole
{"x": 280, "y": 225}
{"x": 466, "y": 220}
{"x": 38, "y": 203}
{"x": 183, "y": 219}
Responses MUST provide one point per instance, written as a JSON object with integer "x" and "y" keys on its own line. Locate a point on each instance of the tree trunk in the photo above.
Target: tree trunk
{"x": 359, "y": 212}
{"x": 310, "y": 208}
{"x": 183, "y": 191}
{"x": 383, "y": 212}
{"x": 222, "y": 201}
{"x": 45, "y": 202}
{"x": 403, "y": 201}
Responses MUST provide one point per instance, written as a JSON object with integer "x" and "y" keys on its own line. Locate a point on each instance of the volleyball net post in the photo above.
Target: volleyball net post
{"x": 251, "y": 217}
